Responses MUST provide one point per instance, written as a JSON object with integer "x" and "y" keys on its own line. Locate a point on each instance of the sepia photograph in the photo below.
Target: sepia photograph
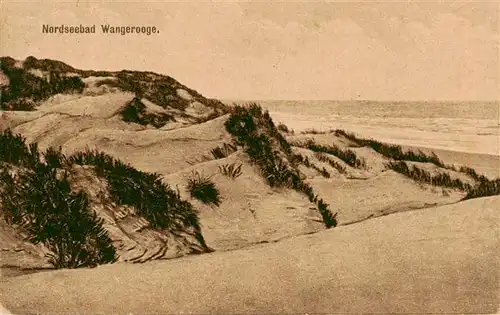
{"x": 249, "y": 157}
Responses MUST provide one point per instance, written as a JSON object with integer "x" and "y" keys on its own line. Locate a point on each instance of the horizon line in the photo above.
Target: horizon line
{"x": 351, "y": 100}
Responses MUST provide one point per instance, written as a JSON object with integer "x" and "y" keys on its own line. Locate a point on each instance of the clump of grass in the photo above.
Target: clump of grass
{"x": 14, "y": 150}
{"x": 254, "y": 130}
{"x": 223, "y": 151}
{"x": 484, "y": 188}
{"x": 42, "y": 204}
{"x": 329, "y": 219}
{"x": 54, "y": 158}
{"x": 230, "y": 170}
{"x": 203, "y": 188}
{"x": 473, "y": 174}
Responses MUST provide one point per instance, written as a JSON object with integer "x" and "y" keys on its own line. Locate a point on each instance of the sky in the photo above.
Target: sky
{"x": 282, "y": 50}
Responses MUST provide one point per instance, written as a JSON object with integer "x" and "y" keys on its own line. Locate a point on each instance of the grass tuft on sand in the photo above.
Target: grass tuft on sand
{"x": 203, "y": 188}
{"x": 254, "y": 130}
{"x": 35, "y": 194}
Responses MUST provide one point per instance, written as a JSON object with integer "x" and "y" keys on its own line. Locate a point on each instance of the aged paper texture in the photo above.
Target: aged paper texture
{"x": 236, "y": 157}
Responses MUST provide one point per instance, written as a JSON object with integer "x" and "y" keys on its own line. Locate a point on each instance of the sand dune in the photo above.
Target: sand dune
{"x": 439, "y": 260}
{"x": 273, "y": 253}
{"x": 250, "y": 212}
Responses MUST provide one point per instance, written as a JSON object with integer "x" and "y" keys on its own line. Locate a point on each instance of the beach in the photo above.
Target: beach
{"x": 462, "y": 127}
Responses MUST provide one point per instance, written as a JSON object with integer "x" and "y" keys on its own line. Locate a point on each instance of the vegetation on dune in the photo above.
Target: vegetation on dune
{"x": 153, "y": 199}
{"x": 472, "y": 173}
{"x": 26, "y": 89}
{"x": 442, "y": 179}
{"x": 230, "y": 170}
{"x": 161, "y": 90}
{"x": 298, "y": 158}
{"x": 254, "y": 130}
{"x": 392, "y": 151}
{"x": 203, "y": 188}
{"x": 135, "y": 112}
{"x": 348, "y": 156}
{"x": 313, "y": 131}
{"x": 323, "y": 157}
{"x": 37, "y": 196}
{"x": 483, "y": 187}
{"x": 223, "y": 151}
{"x": 284, "y": 128}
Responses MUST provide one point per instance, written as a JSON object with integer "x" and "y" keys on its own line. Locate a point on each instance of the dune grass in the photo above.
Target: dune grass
{"x": 323, "y": 157}
{"x": 420, "y": 175}
{"x": 36, "y": 196}
{"x": 230, "y": 170}
{"x": 153, "y": 199}
{"x": 483, "y": 187}
{"x": 284, "y": 128}
{"x": 254, "y": 130}
{"x": 392, "y": 151}
{"x": 348, "y": 156}
{"x": 203, "y": 188}
{"x": 312, "y": 131}
{"x": 223, "y": 151}
{"x": 300, "y": 159}
{"x": 25, "y": 89}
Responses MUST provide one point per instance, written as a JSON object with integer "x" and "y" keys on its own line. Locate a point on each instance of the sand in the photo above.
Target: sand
{"x": 439, "y": 260}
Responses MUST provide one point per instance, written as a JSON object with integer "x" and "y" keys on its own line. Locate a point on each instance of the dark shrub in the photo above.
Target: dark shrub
{"x": 203, "y": 188}
{"x": 46, "y": 209}
{"x": 25, "y": 89}
{"x": 484, "y": 188}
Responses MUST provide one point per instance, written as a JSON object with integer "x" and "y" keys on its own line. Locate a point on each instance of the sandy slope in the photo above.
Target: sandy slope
{"x": 439, "y": 260}
{"x": 251, "y": 212}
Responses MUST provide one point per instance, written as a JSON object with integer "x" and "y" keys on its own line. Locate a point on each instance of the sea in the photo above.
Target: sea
{"x": 472, "y": 127}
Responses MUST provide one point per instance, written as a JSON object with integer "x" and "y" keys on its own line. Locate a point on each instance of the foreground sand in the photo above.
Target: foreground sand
{"x": 439, "y": 260}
